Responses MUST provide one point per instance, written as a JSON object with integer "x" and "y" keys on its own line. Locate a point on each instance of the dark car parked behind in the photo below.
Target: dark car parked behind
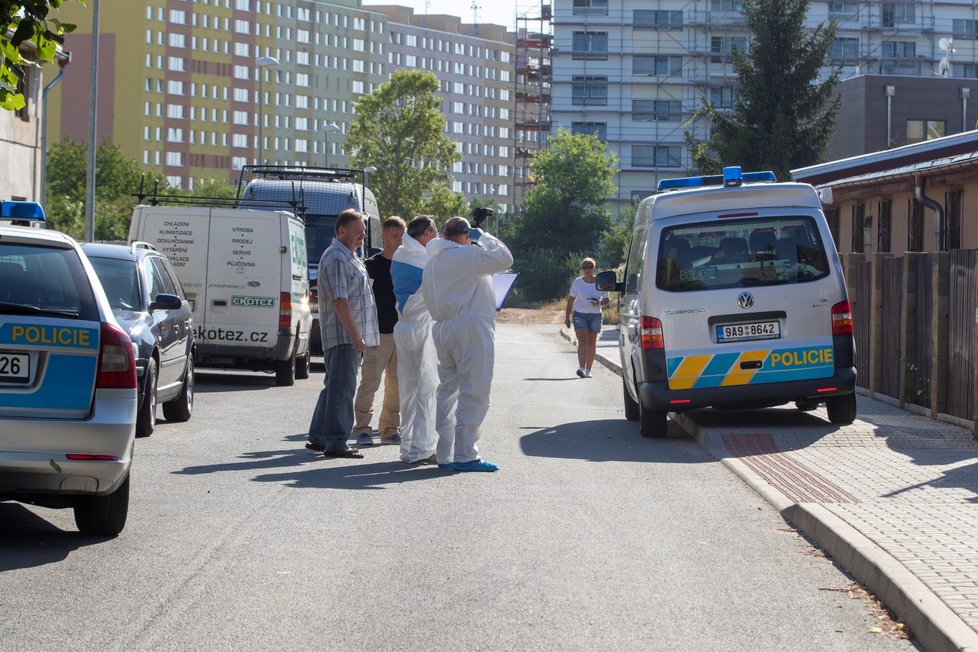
{"x": 148, "y": 302}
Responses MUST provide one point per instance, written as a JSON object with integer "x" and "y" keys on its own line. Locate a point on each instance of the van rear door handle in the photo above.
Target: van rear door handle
{"x": 220, "y": 302}
{"x": 751, "y": 364}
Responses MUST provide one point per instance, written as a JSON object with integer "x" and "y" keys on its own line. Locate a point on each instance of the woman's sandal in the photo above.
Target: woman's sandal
{"x": 344, "y": 452}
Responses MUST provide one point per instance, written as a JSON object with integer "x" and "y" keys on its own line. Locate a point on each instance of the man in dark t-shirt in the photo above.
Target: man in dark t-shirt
{"x": 381, "y": 361}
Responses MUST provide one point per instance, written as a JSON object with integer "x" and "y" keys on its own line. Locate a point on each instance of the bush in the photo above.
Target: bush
{"x": 545, "y": 274}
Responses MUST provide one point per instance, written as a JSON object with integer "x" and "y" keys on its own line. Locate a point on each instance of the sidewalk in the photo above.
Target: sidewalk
{"x": 893, "y": 498}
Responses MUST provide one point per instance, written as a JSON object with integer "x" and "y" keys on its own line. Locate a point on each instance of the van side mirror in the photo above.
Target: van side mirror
{"x": 607, "y": 282}
{"x": 165, "y": 301}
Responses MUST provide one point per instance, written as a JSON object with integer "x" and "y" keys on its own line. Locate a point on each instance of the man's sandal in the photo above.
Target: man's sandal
{"x": 351, "y": 453}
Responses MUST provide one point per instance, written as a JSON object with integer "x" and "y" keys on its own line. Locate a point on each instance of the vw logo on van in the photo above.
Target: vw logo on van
{"x": 746, "y": 300}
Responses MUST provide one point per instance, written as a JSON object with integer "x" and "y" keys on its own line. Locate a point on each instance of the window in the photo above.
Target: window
{"x": 174, "y": 158}
{"x": 241, "y": 95}
{"x": 656, "y": 65}
{"x": 656, "y": 156}
{"x": 915, "y": 225}
{"x": 727, "y": 5}
{"x": 176, "y": 40}
{"x": 953, "y": 202}
{"x": 594, "y": 7}
{"x": 921, "y": 130}
{"x": 858, "y": 231}
{"x": 722, "y": 47}
{"x": 178, "y": 17}
{"x": 599, "y": 129}
{"x": 845, "y": 49}
{"x": 722, "y": 97}
{"x": 177, "y": 64}
{"x": 590, "y": 45}
{"x": 590, "y": 91}
{"x": 964, "y": 28}
{"x": 965, "y": 70}
{"x": 843, "y": 11}
{"x": 657, "y": 19}
{"x": 636, "y": 261}
{"x": 242, "y": 49}
{"x": 899, "y": 49}
{"x": 174, "y": 87}
{"x": 899, "y": 13}
{"x": 649, "y": 110}
{"x": 174, "y": 111}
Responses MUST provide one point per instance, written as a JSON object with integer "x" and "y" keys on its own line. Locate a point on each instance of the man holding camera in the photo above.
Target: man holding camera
{"x": 458, "y": 291}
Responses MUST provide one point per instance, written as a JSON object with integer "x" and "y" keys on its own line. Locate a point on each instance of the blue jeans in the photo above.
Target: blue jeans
{"x": 332, "y": 420}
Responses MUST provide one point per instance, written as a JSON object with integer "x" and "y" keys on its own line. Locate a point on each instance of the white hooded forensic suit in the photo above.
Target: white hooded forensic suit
{"x": 457, "y": 288}
{"x": 417, "y": 363}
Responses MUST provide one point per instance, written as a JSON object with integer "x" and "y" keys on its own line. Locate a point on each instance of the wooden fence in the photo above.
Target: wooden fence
{"x": 914, "y": 322}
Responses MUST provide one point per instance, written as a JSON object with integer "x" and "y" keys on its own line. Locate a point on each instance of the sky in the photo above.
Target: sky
{"x": 500, "y": 12}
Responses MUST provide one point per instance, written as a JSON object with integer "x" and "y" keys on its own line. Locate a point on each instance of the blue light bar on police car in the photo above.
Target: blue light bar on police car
{"x": 21, "y": 210}
{"x": 732, "y": 176}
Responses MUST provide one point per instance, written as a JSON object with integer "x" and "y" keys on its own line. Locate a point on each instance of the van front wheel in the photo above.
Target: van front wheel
{"x": 653, "y": 423}
{"x": 841, "y": 409}
{"x": 285, "y": 371}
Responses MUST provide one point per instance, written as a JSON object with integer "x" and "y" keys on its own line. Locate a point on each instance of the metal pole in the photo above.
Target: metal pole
{"x": 44, "y": 133}
{"x": 92, "y": 124}
{"x": 261, "y": 111}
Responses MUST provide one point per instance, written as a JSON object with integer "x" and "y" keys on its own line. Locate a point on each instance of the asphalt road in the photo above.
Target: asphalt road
{"x": 589, "y": 537}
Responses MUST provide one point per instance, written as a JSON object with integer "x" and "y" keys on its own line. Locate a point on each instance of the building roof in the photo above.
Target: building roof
{"x": 950, "y": 152}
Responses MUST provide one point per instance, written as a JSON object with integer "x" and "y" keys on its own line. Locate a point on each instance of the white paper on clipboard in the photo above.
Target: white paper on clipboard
{"x": 501, "y": 285}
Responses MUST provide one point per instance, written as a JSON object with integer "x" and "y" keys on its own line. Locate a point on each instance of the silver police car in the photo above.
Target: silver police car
{"x": 67, "y": 378}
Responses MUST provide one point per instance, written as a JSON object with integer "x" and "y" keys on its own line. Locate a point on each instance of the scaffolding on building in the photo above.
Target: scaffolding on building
{"x": 534, "y": 75}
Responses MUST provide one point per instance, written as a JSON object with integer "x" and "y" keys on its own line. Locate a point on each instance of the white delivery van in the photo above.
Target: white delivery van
{"x": 733, "y": 297}
{"x": 244, "y": 273}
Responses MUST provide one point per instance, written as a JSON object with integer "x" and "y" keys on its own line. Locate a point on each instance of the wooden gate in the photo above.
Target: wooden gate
{"x": 892, "y": 313}
{"x": 918, "y": 391}
{"x": 961, "y": 334}
{"x": 861, "y": 314}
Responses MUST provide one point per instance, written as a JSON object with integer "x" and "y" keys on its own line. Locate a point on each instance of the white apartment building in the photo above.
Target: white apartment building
{"x": 634, "y": 71}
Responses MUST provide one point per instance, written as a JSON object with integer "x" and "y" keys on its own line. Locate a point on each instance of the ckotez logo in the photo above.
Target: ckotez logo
{"x": 253, "y": 302}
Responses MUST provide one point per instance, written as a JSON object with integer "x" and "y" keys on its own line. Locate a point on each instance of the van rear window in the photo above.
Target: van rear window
{"x": 753, "y": 252}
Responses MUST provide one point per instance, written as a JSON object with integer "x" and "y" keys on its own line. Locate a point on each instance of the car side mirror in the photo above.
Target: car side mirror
{"x": 165, "y": 301}
{"x": 607, "y": 282}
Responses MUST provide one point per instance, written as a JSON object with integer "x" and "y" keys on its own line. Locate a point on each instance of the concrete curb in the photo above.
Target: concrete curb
{"x": 931, "y": 622}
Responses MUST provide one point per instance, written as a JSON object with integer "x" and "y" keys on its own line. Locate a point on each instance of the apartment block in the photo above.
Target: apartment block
{"x": 634, "y": 73}
{"x": 474, "y": 65}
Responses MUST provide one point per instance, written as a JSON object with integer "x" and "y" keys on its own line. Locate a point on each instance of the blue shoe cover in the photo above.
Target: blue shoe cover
{"x": 475, "y": 465}
{"x": 449, "y": 466}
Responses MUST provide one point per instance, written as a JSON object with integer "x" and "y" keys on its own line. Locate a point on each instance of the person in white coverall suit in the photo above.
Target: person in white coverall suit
{"x": 417, "y": 363}
{"x": 458, "y": 290}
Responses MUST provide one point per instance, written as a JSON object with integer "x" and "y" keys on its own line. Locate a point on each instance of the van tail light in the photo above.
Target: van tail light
{"x": 116, "y": 361}
{"x": 652, "y": 334}
{"x": 285, "y": 310}
{"x": 842, "y": 318}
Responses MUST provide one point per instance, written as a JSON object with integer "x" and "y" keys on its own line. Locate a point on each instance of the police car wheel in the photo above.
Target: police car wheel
{"x": 103, "y": 515}
{"x": 180, "y": 408}
{"x": 653, "y": 423}
{"x": 841, "y": 409}
{"x": 146, "y": 417}
{"x": 631, "y": 406}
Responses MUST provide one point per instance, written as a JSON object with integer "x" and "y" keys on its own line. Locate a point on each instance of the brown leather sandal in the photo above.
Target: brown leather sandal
{"x": 351, "y": 453}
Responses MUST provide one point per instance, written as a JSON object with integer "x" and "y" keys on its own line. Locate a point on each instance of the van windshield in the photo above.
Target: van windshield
{"x": 320, "y": 230}
{"x": 730, "y": 253}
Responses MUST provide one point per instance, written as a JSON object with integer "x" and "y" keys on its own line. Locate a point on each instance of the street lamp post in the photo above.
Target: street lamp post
{"x": 262, "y": 62}
{"x": 327, "y": 127}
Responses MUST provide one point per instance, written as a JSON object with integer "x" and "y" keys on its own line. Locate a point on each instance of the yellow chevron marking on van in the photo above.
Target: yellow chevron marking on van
{"x": 689, "y": 371}
{"x": 738, "y": 376}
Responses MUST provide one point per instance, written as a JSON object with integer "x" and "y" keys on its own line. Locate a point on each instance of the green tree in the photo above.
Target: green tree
{"x": 400, "y": 130}
{"x": 566, "y": 213}
{"x": 782, "y": 117}
{"x": 26, "y": 21}
{"x": 116, "y": 180}
{"x": 441, "y": 203}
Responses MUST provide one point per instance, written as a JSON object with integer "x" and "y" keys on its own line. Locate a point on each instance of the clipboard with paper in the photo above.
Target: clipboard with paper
{"x": 501, "y": 284}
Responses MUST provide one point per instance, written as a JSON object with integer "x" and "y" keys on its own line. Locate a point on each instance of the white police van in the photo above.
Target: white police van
{"x": 733, "y": 297}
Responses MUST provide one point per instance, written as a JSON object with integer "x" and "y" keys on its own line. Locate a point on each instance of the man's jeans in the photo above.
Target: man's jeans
{"x": 332, "y": 420}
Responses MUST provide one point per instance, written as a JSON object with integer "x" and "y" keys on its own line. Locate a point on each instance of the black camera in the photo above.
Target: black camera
{"x": 479, "y": 216}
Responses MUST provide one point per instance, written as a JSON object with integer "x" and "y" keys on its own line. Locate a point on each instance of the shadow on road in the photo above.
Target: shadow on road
{"x": 296, "y": 466}
{"x": 28, "y": 541}
{"x": 612, "y": 441}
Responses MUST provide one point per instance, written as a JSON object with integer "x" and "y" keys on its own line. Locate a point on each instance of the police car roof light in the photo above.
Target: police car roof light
{"x": 21, "y": 210}
{"x": 732, "y": 176}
